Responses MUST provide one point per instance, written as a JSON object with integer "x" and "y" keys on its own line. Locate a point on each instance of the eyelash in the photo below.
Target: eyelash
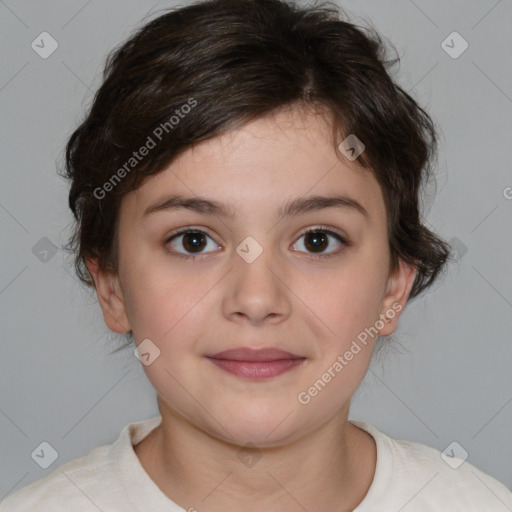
{"x": 318, "y": 229}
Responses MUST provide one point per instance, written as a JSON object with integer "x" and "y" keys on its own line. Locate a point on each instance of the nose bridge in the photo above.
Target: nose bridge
{"x": 256, "y": 291}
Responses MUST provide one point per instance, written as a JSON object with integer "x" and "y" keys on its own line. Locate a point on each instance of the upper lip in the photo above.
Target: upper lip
{"x": 251, "y": 354}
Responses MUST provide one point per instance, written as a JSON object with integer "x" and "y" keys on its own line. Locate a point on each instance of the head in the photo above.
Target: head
{"x": 238, "y": 110}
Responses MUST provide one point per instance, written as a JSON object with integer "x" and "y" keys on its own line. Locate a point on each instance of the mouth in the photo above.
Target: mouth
{"x": 256, "y": 364}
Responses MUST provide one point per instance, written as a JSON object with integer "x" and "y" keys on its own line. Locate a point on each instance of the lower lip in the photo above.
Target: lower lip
{"x": 257, "y": 370}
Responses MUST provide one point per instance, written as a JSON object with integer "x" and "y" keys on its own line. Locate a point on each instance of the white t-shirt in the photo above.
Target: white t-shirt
{"x": 409, "y": 477}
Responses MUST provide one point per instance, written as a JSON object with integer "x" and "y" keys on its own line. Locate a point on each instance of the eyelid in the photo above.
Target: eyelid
{"x": 324, "y": 228}
{"x": 342, "y": 238}
{"x": 200, "y": 229}
{"x": 186, "y": 229}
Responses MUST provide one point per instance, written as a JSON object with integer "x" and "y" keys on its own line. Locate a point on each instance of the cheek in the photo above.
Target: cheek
{"x": 346, "y": 300}
{"x": 348, "y": 303}
{"x": 160, "y": 305}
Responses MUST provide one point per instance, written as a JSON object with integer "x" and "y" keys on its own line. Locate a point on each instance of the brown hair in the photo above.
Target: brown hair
{"x": 212, "y": 66}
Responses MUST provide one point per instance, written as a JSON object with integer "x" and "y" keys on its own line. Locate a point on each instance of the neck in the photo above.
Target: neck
{"x": 330, "y": 468}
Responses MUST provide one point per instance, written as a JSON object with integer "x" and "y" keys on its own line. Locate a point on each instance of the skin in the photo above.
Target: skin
{"x": 286, "y": 299}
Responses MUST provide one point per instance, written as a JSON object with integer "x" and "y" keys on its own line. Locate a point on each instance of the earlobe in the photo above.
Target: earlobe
{"x": 398, "y": 290}
{"x": 110, "y": 297}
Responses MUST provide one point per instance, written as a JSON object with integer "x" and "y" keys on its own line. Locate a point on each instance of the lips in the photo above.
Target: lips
{"x": 251, "y": 354}
{"x": 256, "y": 364}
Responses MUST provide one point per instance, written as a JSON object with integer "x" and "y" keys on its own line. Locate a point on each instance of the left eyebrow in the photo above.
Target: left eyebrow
{"x": 297, "y": 206}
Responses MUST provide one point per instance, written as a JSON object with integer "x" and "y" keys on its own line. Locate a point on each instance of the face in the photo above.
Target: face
{"x": 246, "y": 276}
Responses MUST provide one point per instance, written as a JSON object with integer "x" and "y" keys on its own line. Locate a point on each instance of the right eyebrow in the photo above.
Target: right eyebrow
{"x": 297, "y": 206}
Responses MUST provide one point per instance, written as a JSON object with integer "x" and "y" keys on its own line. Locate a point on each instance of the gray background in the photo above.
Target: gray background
{"x": 449, "y": 378}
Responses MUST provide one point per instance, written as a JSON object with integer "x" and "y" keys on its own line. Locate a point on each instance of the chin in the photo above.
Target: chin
{"x": 262, "y": 428}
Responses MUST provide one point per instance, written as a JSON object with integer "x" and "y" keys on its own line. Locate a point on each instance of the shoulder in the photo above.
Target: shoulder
{"x": 69, "y": 485}
{"x": 425, "y": 479}
{"x": 98, "y": 480}
{"x": 450, "y": 479}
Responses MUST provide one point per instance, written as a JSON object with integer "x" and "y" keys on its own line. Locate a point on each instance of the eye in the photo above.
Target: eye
{"x": 318, "y": 239}
{"x": 191, "y": 241}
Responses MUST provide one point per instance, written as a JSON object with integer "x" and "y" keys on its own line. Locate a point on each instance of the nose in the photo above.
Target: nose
{"x": 256, "y": 292}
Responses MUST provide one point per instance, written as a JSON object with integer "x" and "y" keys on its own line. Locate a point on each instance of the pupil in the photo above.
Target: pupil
{"x": 193, "y": 241}
{"x": 317, "y": 240}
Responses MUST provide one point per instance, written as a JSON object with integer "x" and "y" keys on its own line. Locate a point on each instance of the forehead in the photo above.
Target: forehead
{"x": 263, "y": 165}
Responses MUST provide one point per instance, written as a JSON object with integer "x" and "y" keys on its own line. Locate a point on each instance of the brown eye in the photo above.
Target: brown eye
{"x": 191, "y": 241}
{"x": 319, "y": 241}
{"x": 316, "y": 241}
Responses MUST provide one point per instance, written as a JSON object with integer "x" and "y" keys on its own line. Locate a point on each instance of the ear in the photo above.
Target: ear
{"x": 398, "y": 289}
{"x": 110, "y": 297}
